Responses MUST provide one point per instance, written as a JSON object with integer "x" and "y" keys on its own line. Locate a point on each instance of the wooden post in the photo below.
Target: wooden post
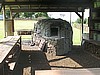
{"x": 70, "y": 18}
{"x": 10, "y": 25}
{"x": 82, "y": 28}
{"x": 82, "y": 23}
{"x": 4, "y": 19}
{"x": 11, "y": 15}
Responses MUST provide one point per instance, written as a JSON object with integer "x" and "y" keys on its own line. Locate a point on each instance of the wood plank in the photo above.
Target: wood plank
{"x": 88, "y": 71}
{"x": 6, "y": 46}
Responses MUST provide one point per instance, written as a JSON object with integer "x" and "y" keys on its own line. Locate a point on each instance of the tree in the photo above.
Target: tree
{"x": 41, "y": 14}
{"x": 27, "y": 14}
{"x": 85, "y": 21}
{"x": 78, "y": 20}
{"x": 31, "y": 14}
{"x": 7, "y": 14}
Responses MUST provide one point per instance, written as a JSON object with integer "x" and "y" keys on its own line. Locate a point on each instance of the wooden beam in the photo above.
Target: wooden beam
{"x": 82, "y": 21}
{"x": 82, "y": 29}
{"x": 4, "y": 19}
{"x": 79, "y": 4}
{"x": 45, "y": 10}
{"x": 78, "y": 15}
{"x": 11, "y": 14}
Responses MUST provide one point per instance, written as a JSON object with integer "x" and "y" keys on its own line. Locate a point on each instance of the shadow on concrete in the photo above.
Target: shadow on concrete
{"x": 83, "y": 58}
{"x": 78, "y": 55}
{"x": 29, "y": 61}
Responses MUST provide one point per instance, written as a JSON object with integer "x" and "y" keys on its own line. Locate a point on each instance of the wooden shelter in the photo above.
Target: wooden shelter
{"x": 92, "y": 44}
{"x": 76, "y": 6}
{"x": 16, "y": 6}
{"x": 46, "y": 5}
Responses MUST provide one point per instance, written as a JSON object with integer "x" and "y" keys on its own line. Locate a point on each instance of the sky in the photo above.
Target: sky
{"x": 66, "y": 15}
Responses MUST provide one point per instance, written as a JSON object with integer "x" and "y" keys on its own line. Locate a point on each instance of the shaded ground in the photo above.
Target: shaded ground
{"x": 31, "y": 60}
{"x": 75, "y": 59}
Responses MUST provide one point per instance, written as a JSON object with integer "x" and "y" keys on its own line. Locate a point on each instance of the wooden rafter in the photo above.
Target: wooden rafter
{"x": 46, "y": 10}
{"x": 79, "y": 15}
{"x": 49, "y": 5}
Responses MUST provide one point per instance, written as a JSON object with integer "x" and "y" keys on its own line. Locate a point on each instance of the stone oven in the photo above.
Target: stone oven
{"x": 57, "y": 33}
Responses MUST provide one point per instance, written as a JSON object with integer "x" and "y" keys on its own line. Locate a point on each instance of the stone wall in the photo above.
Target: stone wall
{"x": 58, "y": 44}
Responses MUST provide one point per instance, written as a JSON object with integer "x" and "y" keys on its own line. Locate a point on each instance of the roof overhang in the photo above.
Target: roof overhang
{"x": 47, "y": 5}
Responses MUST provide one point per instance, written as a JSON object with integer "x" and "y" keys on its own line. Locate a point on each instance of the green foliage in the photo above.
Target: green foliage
{"x": 97, "y": 4}
{"x": 41, "y": 14}
{"x": 80, "y": 21}
{"x": 16, "y": 15}
{"x": 85, "y": 21}
{"x": 7, "y": 14}
{"x": 27, "y": 14}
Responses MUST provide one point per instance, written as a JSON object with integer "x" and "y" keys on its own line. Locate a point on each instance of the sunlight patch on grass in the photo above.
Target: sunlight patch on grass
{"x": 76, "y": 36}
{"x": 1, "y": 29}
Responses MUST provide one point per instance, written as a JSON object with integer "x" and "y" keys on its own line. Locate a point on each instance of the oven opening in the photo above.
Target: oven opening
{"x": 54, "y": 31}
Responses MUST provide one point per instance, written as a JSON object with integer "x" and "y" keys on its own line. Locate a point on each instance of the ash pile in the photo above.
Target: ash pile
{"x": 57, "y": 33}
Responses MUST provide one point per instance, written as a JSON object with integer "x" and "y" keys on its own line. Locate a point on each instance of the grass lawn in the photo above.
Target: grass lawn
{"x": 76, "y": 36}
{"x": 1, "y": 29}
{"x": 24, "y": 24}
{"x": 29, "y": 24}
{"x": 18, "y": 24}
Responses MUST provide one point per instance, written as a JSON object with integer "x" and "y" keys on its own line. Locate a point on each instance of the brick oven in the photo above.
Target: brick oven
{"x": 58, "y": 34}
